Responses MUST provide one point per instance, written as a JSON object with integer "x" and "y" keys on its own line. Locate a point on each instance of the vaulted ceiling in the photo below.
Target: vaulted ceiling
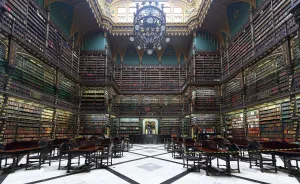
{"x": 213, "y": 17}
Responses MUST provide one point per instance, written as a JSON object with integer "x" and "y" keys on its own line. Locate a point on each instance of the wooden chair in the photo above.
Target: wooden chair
{"x": 188, "y": 156}
{"x": 176, "y": 151}
{"x": 256, "y": 155}
{"x": 63, "y": 153}
{"x": 3, "y": 157}
{"x": 119, "y": 149}
{"x": 105, "y": 156}
{"x": 44, "y": 154}
{"x": 235, "y": 157}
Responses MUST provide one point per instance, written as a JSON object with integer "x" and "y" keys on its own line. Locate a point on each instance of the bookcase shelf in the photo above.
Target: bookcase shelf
{"x": 235, "y": 124}
{"x": 253, "y": 124}
{"x": 93, "y": 67}
{"x": 93, "y": 99}
{"x": 288, "y": 124}
{"x": 185, "y": 127}
{"x": 208, "y": 66}
{"x": 207, "y": 124}
{"x": 114, "y": 130}
{"x": 65, "y": 124}
{"x": 47, "y": 124}
{"x": 206, "y": 99}
{"x": 232, "y": 93}
{"x": 93, "y": 124}
{"x": 27, "y": 121}
{"x": 129, "y": 126}
{"x": 270, "y": 26}
{"x": 270, "y": 123}
{"x": 170, "y": 126}
{"x": 68, "y": 90}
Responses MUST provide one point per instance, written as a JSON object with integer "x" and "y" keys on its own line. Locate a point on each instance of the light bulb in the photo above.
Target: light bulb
{"x": 139, "y": 47}
{"x": 131, "y": 39}
{"x": 168, "y": 39}
{"x": 159, "y": 48}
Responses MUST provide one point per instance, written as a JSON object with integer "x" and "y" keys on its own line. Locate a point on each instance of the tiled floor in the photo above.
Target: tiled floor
{"x": 147, "y": 164}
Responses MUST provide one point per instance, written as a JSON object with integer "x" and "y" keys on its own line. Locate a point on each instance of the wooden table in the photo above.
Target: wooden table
{"x": 15, "y": 154}
{"x": 85, "y": 151}
{"x": 287, "y": 155}
{"x": 209, "y": 153}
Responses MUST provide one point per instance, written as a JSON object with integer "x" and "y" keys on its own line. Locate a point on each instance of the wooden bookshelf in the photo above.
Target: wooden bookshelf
{"x": 93, "y": 99}
{"x": 206, "y": 99}
{"x": 47, "y": 124}
{"x": 253, "y": 124}
{"x": 270, "y": 123}
{"x": 270, "y": 26}
{"x": 93, "y": 67}
{"x": 207, "y": 124}
{"x": 114, "y": 129}
{"x": 129, "y": 126}
{"x": 287, "y": 122}
{"x": 267, "y": 78}
{"x": 232, "y": 93}
{"x": 170, "y": 126}
{"x": 3, "y": 75}
{"x": 235, "y": 124}
{"x": 27, "y": 121}
{"x": 68, "y": 90}
{"x": 208, "y": 66}
{"x": 185, "y": 127}
{"x": 65, "y": 124}
{"x": 93, "y": 124}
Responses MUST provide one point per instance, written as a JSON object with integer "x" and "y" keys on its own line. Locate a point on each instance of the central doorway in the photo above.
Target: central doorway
{"x": 150, "y": 126}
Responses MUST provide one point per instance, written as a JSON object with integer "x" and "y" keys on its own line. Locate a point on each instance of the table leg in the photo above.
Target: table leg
{"x": 228, "y": 168}
{"x": 89, "y": 161}
{"x": 207, "y": 162}
{"x": 69, "y": 162}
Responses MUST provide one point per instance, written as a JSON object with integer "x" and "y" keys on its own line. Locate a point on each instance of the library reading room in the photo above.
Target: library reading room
{"x": 149, "y": 91}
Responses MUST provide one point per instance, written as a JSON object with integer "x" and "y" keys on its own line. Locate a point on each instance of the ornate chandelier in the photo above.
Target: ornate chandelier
{"x": 149, "y": 27}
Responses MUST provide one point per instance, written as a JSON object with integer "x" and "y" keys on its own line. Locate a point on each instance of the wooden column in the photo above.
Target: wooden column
{"x": 295, "y": 10}
{"x": 53, "y": 134}
{"x": 252, "y": 30}
{"x": 11, "y": 59}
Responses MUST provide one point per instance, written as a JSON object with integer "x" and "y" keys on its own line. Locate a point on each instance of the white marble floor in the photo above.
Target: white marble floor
{"x": 146, "y": 164}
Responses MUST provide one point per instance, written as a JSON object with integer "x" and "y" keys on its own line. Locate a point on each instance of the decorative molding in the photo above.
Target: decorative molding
{"x": 174, "y": 29}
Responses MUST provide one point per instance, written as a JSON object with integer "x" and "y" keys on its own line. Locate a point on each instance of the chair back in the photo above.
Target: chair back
{"x": 64, "y": 147}
{"x": 210, "y": 144}
{"x": 234, "y": 148}
{"x": 42, "y": 143}
{"x": 46, "y": 148}
{"x": 253, "y": 149}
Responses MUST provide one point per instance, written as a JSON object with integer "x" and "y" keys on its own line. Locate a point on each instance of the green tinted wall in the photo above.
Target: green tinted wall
{"x": 131, "y": 56}
{"x": 62, "y": 16}
{"x": 204, "y": 41}
{"x": 237, "y": 14}
{"x": 169, "y": 57}
{"x": 94, "y": 42}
